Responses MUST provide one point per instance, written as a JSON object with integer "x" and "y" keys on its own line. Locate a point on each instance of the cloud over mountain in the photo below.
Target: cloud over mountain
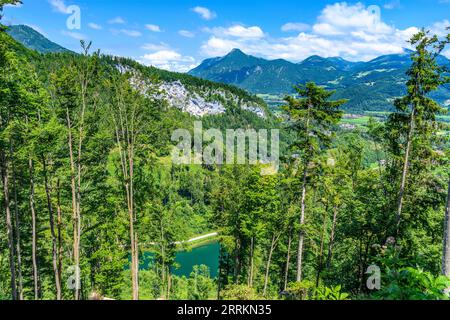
{"x": 354, "y": 32}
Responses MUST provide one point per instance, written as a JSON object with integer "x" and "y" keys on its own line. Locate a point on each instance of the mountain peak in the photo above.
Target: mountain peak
{"x": 368, "y": 85}
{"x": 236, "y": 52}
{"x": 407, "y": 51}
{"x": 314, "y": 59}
{"x": 32, "y": 39}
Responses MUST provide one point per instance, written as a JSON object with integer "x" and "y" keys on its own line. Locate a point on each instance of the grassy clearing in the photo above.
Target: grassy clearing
{"x": 362, "y": 120}
{"x": 196, "y": 244}
{"x": 359, "y": 121}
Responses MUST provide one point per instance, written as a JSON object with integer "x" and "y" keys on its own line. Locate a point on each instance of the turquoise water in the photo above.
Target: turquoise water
{"x": 207, "y": 254}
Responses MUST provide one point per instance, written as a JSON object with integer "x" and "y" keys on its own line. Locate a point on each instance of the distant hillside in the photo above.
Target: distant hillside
{"x": 369, "y": 86}
{"x": 196, "y": 96}
{"x": 32, "y": 39}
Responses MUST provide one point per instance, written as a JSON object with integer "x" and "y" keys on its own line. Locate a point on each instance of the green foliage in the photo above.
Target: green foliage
{"x": 414, "y": 284}
{"x": 239, "y": 292}
{"x": 33, "y": 39}
{"x": 77, "y": 134}
{"x": 312, "y": 117}
{"x": 307, "y": 290}
{"x": 201, "y": 286}
{"x": 5, "y": 2}
{"x": 303, "y": 290}
{"x": 334, "y": 293}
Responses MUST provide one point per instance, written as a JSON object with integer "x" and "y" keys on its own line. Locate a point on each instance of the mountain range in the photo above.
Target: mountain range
{"x": 32, "y": 39}
{"x": 198, "y": 97}
{"x": 369, "y": 86}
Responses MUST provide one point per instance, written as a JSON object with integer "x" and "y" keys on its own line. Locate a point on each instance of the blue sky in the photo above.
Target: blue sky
{"x": 178, "y": 34}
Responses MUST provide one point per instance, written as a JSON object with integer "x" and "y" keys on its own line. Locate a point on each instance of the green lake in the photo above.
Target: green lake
{"x": 207, "y": 254}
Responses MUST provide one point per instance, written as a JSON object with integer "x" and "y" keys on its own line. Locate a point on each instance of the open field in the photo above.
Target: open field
{"x": 352, "y": 121}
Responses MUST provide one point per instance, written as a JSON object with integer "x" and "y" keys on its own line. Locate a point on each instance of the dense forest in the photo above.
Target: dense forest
{"x": 88, "y": 187}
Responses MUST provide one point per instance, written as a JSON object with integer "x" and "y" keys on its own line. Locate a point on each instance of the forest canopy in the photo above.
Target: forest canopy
{"x": 88, "y": 188}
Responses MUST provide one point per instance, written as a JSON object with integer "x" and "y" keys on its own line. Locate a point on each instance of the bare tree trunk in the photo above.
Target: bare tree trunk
{"x": 252, "y": 258}
{"x": 34, "y": 231}
{"x": 219, "y": 276}
{"x": 134, "y": 279}
{"x": 446, "y": 249}
{"x": 127, "y": 165}
{"x": 169, "y": 283}
{"x": 74, "y": 203}
{"x": 380, "y": 171}
{"x": 136, "y": 266}
{"x": 269, "y": 261}
{"x": 360, "y": 265}
{"x": 332, "y": 236}
{"x": 133, "y": 217}
{"x": 59, "y": 226}
{"x": 237, "y": 261}
{"x": 125, "y": 138}
{"x": 17, "y": 229}
{"x": 301, "y": 237}
{"x": 9, "y": 228}
{"x": 288, "y": 261}
{"x": 79, "y": 167}
{"x": 52, "y": 231}
{"x": 322, "y": 243}
{"x": 163, "y": 259}
{"x": 405, "y": 169}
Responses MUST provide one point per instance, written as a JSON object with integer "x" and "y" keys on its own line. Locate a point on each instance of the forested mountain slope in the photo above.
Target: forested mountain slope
{"x": 32, "y": 39}
{"x": 369, "y": 86}
{"x": 73, "y": 125}
{"x": 187, "y": 93}
{"x": 89, "y": 189}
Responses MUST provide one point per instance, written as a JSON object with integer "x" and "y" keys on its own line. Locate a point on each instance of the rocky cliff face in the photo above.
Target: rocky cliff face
{"x": 198, "y": 101}
{"x": 178, "y": 96}
{"x": 205, "y": 102}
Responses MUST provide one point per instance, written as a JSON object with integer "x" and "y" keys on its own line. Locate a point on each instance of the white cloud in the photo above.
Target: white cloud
{"x": 186, "y": 33}
{"x": 117, "y": 20}
{"x": 131, "y": 33}
{"x": 353, "y": 32}
{"x": 153, "y": 27}
{"x": 163, "y": 56}
{"x": 94, "y": 26}
{"x": 17, "y": 5}
{"x": 155, "y": 47}
{"x": 243, "y": 32}
{"x": 440, "y": 28}
{"x": 341, "y": 18}
{"x": 205, "y": 13}
{"x": 219, "y": 47}
{"x": 169, "y": 60}
{"x": 59, "y": 6}
{"x": 446, "y": 53}
{"x": 74, "y": 35}
{"x": 237, "y": 31}
{"x": 393, "y": 4}
{"x": 295, "y": 26}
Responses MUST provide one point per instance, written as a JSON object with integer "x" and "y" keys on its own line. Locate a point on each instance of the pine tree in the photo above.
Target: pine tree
{"x": 417, "y": 109}
{"x": 446, "y": 246}
{"x": 311, "y": 117}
